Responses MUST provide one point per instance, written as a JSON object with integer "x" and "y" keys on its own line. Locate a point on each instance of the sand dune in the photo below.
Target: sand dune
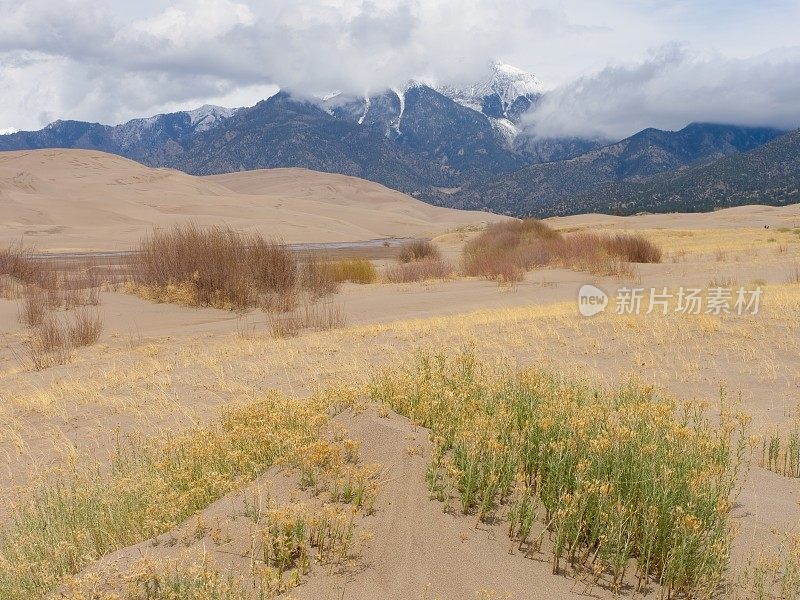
{"x": 88, "y": 200}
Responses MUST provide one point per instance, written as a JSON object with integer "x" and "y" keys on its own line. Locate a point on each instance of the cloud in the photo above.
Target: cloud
{"x": 670, "y": 89}
{"x": 111, "y": 60}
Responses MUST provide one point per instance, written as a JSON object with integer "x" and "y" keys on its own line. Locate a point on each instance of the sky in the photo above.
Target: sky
{"x": 612, "y": 67}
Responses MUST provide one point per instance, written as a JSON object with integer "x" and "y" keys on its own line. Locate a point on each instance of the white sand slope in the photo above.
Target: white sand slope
{"x": 87, "y": 200}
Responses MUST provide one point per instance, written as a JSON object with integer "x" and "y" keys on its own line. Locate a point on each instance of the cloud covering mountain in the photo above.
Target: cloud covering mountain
{"x": 109, "y": 60}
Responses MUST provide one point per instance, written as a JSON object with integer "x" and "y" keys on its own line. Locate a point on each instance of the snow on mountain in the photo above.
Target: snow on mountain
{"x": 8, "y": 130}
{"x": 506, "y": 128}
{"x": 504, "y": 85}
{"x": 208, "y": 115}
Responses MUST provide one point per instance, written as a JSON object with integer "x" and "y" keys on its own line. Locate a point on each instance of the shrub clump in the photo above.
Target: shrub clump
{"x": 505, "y": 251}
{"x": 418, "y": 250}
{"x": 222, "y": 268}
{"x": 612, "y": 476}
{"x": 353, "y": 270}
{"x": 418, "y": 270}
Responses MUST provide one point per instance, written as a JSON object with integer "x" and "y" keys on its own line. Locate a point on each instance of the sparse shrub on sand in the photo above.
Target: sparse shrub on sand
{"x": 353, "y": 270}
{"x": 418, "y": 250}
{"x": 287, "y": 540}
{"x": 781, "y": 453}
{"x": 54, "y": 338}
{"x": 75, "y": 517}
{"x": 505, "y": 251}
{"x": 219, "y": 267}
{"x": 316, "y": 317}
{"x": 418, "y": 270}
{"x": 49, "y": 343}
{"x": 33, "y": 306}
{"x": 84, "y": 327}
{"x": 16, "y": 262}
{"x": 611, "y": 477}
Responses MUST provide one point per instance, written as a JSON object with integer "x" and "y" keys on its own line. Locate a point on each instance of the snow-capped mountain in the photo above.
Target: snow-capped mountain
{"x": 503, "y": 87}
{"x": 457, "y": 147}
{"x": 209, "y": 115}
{"x": 503, "y": 96}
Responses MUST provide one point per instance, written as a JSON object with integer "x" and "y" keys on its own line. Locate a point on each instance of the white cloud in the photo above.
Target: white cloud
{"x": 672, "y": 88}
{"x": 111, "y": 60}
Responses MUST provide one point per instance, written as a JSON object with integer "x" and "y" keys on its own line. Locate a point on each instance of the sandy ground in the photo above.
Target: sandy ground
{"x": 160, "y": 368}
{"x": 81, "y": 200}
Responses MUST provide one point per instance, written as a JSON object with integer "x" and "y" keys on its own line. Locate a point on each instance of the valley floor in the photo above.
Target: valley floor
{"x": 160, "y": 370}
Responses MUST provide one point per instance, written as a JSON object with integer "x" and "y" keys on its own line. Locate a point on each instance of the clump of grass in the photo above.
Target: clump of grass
{"x": 49, "y": 344}
{"x": 769, "y": 574}
{"x": 418, "y": 270}
{"x": 355, "y": 270}
{"x": 794, "y": 275}
{"x": 316, "y": 317}
{"x": 781, "y": 454}
{"x": 76, "y": 517}
{"x": 216, "y": 267}
{"x": 33, "y": 307}
{"x": 418, "y": 250}
{"x": 54, "y": 337}
{"x": 610, "y": 475}
{"x": 286, "y": 540}
{"x": 84, "y": 328}
{"x": 179, "y": 582}
{"x": 505, "y": 251}
{"x": 15, "y": 261}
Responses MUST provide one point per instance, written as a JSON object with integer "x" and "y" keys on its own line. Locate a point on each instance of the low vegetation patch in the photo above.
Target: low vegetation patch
{"x": 505, "y": 251}
{"x": 618, "y": 480}
{"x": 418, "y": 270}
{"x": 15, "y": 261}
{"x": 418, "y": 250}
{"x": 316, "y": 317}
{"x": 54, "y": 337}
{"x": 76, "y": 517}
{"x": 222, "y": 268}
{"x": 355, "y": 270}
{"x": 781, "y": 453}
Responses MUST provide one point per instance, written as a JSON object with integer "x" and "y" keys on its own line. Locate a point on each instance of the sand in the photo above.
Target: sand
{"x": 82, "y": 200}
{"x": 162, "y": 368}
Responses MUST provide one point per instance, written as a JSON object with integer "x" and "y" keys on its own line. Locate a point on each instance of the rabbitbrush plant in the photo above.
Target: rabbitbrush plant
{"x": 610, "y": 475}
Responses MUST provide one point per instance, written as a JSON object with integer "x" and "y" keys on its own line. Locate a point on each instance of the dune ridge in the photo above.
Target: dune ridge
{"x": 85, "y": 200}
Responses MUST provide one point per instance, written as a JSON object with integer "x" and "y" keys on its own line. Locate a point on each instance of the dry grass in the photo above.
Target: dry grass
{"x": 54, "y": 338}
{"x": 74, "y": 518}
{"x": 315, "y": 317}
{"x": 794, "y": 275}
{"x": 84, "y": 328}
{"x": 15, "y": 261}
{"x": 355, "y": 270}
{"x": 418, "y": 270}
{"x": 418, "y": 250}
{"x": 34, "y": 307}
{"x": 505, "y": 251}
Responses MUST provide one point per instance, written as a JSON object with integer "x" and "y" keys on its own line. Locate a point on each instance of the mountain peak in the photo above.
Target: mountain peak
{"x": 208, "y": 115}
{"x": 510, "y": 82}
{"x": 503, "y": 85}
